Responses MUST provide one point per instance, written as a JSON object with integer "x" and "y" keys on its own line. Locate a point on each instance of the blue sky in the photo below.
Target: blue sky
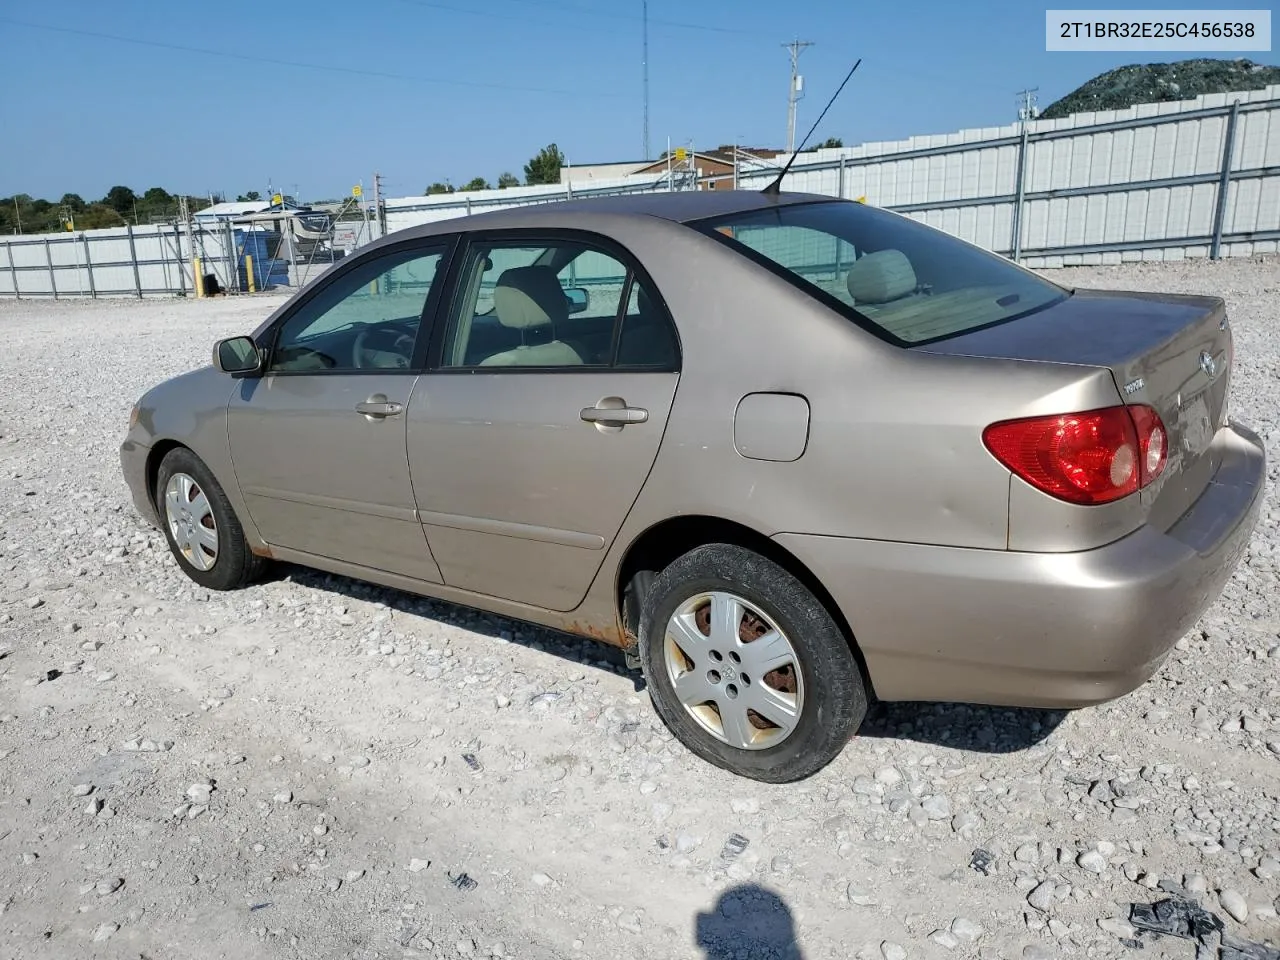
{"x": 81, "y": 112}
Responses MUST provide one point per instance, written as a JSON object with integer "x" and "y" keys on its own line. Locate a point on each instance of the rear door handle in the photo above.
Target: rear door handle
{"x": 378, "y": 407}
{"x": 614, "y": 416}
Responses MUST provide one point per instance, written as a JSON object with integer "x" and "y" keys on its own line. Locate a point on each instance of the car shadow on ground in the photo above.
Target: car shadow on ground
{"x": 957, "y": 725}
{"x": 580, "y": 650}
{"x": 962, "y": 726}
{"x": 747, "y": 920}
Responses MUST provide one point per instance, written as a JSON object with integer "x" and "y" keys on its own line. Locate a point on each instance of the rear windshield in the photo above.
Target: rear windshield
{"x": 907, "y": 282}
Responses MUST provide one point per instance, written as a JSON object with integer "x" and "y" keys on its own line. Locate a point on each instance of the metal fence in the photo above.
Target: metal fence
{"x": 1194, "y": 178}
{"x": 155, "y": 260}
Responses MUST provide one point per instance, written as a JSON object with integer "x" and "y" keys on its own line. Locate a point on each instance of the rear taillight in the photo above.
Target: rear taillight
{"x": 1092, "y": 457}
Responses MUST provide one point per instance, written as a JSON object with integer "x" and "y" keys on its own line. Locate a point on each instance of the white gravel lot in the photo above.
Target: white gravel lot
{"x": 280, "y": 772}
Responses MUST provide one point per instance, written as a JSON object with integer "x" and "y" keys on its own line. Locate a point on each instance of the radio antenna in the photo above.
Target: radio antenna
{"x": 772, "y": 189}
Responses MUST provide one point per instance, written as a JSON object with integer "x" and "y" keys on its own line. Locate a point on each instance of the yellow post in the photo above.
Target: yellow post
{"x": 199, "y": 276}
{"x": 248, "y": 267}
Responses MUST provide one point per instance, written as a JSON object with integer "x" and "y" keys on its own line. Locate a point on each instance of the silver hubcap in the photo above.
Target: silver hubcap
{"x": 734, "y": 671}
{"x": 191, "y": 522}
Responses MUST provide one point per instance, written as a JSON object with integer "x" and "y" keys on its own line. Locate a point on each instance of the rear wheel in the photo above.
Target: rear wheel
{"x": 746, "y": 667}
{"x": 202, "y": 530}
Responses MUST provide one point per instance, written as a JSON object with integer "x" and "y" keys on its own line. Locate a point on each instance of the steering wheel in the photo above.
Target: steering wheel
{"x": 401, "y": 342}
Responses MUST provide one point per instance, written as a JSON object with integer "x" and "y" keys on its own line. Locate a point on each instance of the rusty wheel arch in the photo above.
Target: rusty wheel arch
{"x": 662, "y": 543}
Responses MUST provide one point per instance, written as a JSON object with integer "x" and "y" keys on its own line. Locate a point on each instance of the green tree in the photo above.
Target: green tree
{"x": 477, "y": 183}
{"x": 73, "y": 202}
{"x": 545, "y": 166}
{"x": 121, "y": 200}
{"x": 438, "y": 188}
{"x": 99, "y": 215}
{"x": 830, "y": 142}
{"x": 508, "y": 180}
{"x": 249, "y": 197}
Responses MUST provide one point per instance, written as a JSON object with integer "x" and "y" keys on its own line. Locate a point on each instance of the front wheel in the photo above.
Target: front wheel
{"x": 202, "y": 529}
{"x": 746, "y": 667}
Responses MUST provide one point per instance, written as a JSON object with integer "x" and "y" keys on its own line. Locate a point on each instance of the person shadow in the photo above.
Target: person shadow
{"x": 747, "y": 921}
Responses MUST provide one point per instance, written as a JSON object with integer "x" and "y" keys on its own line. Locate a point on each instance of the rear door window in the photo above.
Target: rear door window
{"x": 902, "y": 280}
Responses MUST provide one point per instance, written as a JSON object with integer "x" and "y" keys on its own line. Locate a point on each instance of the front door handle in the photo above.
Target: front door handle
{"x": 614, "y": 412}
{"x": 378, "y": 407}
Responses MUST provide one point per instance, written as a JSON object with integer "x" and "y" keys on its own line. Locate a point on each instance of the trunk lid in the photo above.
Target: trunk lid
{"x": 1171, "y": 352}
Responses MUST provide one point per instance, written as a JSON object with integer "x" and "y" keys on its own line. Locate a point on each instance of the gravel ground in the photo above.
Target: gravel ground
{"x": 317, "y": 768}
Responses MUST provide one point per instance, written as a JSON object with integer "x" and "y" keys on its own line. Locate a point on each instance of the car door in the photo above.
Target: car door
{"x": 318, "y": 441}
{"x": 532, "y": 432}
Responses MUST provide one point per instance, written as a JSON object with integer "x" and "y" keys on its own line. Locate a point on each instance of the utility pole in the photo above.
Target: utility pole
{"x": 795, "y": 47}
{"x": 377, "y": 204}
{"x": 1027, "y": 109}
{"x": 645, "y": 65}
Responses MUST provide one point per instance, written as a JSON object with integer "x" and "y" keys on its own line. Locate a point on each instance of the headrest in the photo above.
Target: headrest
{"x": 880, "y": 277}
{"x": 528, "y": 297}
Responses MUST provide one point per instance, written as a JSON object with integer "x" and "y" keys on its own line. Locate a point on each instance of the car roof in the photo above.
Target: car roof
{"x": 676, "y": 206}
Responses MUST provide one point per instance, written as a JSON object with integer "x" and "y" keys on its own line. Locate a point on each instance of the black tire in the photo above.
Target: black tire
{"x": 835, "y": 697}
{"x": 234, "y": 565}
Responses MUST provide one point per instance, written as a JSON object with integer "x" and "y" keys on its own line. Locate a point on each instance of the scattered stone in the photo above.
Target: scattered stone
{"x": 859, "y": 897}
{"x": 105, "y": 932}
{"x": 354, "y": 875}
{"x": 936, "y": 807}
{"x": 1027, "y": 853}
{"x": 967, "y": 930}
{"x": 888, "y": 776}
{"x": 1118, "y": 928}
{"x": 1267, "y": 869}
{"x": 284, "y": 796}
{"x": 1042, "y": 896}
{"x": 892, "y": 951}
{"x": 359, "y": 762}
{"x": 541, "y": 880}
{"x": 417, "y": 866}
{"x": 199, "y": 792}
{"x": 1037, "y": 951}
{"x": 1234, "y": 904}
{"x": 107, "y": 887}
{"x": 944, "y": 939}
{"x": 1092, "y": 861}
{"x": 82, "y": 789}
{"x": 1196, "y": 885}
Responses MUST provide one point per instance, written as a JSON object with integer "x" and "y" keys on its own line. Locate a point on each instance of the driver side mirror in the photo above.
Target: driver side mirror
{"x": 238, "y": 356}
{"x": 578, "y": 299}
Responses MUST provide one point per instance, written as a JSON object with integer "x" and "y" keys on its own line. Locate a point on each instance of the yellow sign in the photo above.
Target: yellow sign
{"x": 357, "y": 190}
{"x": 682, "y": 153}
{"x": 861, "y": 199}
{"x": 276, "y": 198}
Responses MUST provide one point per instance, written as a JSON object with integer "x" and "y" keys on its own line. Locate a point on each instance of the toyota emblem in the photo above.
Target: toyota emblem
{"x": 1208, "y": 365}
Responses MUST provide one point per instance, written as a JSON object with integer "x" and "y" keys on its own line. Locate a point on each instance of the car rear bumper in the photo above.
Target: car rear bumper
{"x": 133, "y": 464}
{"x": 1055, "y": 630}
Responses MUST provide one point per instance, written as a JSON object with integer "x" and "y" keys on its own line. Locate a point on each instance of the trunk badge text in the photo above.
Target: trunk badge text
{"x": 1208, "y": 365}
{"x": 1133, "y": 386}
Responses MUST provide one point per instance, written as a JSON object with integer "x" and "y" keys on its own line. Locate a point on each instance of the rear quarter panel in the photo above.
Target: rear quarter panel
{"x": 894, "y": 450}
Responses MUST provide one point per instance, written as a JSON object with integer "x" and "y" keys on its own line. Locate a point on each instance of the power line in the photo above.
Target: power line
{"x": 617, "y": 15}
{"x": 331, "y": 68}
